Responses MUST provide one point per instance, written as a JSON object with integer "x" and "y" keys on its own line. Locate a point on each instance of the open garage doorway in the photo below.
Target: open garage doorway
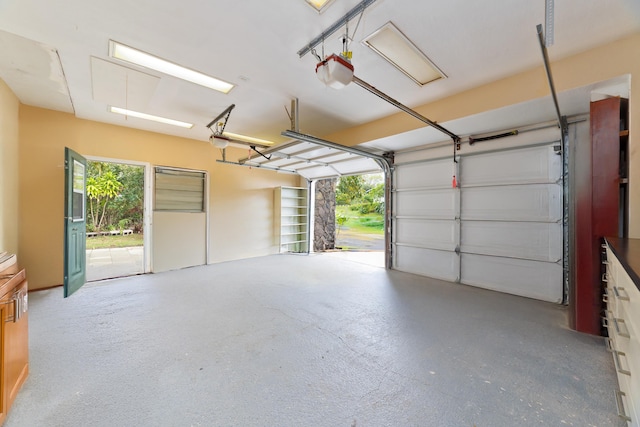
{"x": 116, "y": 219}
{"x": 322, "y": 163}
{"x": 349, "y": 217}
{"x": 360, "y": 213}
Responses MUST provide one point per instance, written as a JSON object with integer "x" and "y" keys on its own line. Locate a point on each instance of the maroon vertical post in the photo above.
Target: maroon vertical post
{"x": 597, "y": 213}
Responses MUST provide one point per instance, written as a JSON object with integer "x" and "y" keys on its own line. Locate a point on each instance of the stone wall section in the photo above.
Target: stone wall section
{"x": 324, "y": 229}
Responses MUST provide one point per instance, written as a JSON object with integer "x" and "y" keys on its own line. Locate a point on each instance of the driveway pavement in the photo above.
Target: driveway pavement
{"x": 349, "y": 240}
{"x": 114, "y": 262}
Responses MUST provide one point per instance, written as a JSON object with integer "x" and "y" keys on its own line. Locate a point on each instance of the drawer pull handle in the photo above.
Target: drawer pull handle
{"x": 606, "y": 319}
{"x": 620, "y": 404}
{"x": 608, "y": 342}
{"x": 19, "y": 303}
{"x": 618, "y": 293}
{"x": 618, "y": 363}
{"x": 618, "y": 323}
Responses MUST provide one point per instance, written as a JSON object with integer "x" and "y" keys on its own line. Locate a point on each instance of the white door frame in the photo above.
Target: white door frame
{"x": 147, "y": 209}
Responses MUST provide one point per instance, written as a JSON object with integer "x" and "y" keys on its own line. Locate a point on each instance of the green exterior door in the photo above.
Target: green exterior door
{"x": 75, "y": 254}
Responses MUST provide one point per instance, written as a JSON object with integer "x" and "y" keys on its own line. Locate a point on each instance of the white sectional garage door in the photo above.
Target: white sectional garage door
{"x": 501, "y": 229}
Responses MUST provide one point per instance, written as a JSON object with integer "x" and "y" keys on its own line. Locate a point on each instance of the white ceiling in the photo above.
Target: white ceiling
{"x": 55, "y": 55}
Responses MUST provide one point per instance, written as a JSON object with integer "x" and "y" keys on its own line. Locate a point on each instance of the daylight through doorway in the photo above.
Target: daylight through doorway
{"x": 115, "y": 220}
{"x": 349, "y": 217}
{"x": 360, "y": 213}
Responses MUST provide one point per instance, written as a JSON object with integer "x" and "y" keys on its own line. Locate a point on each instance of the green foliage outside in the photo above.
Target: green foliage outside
{"x": 360, "y": 201}
{"x": 364, "y": 193}
{"x": 115, "y": 197}
{"x": 372, "y": 223}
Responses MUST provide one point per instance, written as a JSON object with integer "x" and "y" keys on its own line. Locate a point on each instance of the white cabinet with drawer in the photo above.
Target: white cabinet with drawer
{"x": 622, "y": 319}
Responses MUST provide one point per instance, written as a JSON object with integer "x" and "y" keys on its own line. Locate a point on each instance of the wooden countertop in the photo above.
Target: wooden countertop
{"x": 10, "y": 278}
{"x": 628, "y": 253}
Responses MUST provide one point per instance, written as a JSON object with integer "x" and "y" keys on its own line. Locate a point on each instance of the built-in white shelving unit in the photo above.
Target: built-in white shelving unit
{"x": 292, "y": 219}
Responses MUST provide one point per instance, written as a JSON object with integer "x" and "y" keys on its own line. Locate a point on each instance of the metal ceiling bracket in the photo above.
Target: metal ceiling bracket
{"x": 295, "y": 122}
{"x": 564, "y": 130}
{"x": 258, "y": 166}
{"x": 547, "y": 68}
{"x": 473, "y": 140}
{"x": 384, "y": 96}
{"x": 253, "y": 147}
{"x": 359, "y": 8}
{"x": 226, "y": 113}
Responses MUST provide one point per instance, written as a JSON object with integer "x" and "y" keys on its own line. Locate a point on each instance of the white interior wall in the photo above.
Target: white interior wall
{"x": 179, "y": 240}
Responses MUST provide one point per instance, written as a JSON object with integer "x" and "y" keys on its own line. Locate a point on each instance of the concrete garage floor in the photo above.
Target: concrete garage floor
{"x": 289, "y": 340}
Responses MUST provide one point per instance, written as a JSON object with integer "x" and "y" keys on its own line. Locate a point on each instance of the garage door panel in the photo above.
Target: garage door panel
{"x": 536, "y": 202}
{"x": 427, "y": 262}
{"x": 355, "y": 165}
{"x": 431, "y": 204}
{"x": 510, "y": 226}
{"x": 434, "y": 234}
{"x": 527, "y": 165}
{"x": 532, "y": 240}
{"x": 434, "y": 174}
{"x": 315, "y": 172}
{"x": 533, "y": 279}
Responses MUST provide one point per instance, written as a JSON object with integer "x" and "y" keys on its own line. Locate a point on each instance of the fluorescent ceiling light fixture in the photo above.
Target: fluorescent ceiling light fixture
{"x": 396, "y": 48}
{"x": 248, "y": 138}
{"x": 145, "y": 116}
{"x": 319, "y": 5}
{"x": 143, "y": 59}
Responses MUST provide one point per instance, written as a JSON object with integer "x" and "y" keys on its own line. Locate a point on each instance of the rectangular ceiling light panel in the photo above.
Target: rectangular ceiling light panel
{"x": 153, "y": 118}
{"x": 319, "y": 5}
{"x": 396, "y": 48}
{"x": 250, "y": 139}
{"x": 143, "y": 59}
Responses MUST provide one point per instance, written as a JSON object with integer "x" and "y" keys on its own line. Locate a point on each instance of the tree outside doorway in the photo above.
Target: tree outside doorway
{"x": 360, "y": 212}
{"x": 115, "y": 220}
{"x": 115, "y": 204}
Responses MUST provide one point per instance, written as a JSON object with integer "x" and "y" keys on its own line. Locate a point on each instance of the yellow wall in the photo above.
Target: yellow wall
{"x": 9, "y": 106}
{"x": 240, "y": 200}
{"x": 603, "y": 63}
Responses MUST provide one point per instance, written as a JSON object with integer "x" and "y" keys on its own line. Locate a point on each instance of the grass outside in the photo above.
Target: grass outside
{"x": 372, "y": 223}
{"x": 101, "y": 242}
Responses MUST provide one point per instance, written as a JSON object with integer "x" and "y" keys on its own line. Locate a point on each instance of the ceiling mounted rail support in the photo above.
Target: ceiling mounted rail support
{"x": 226, "y": 113}
{"x": 547, "y": 67}
{"x": 359, "y": 8}
{"x": 564, "y": 130}
{"x": 473, "y": 140}
{"x": 404, "y": 108}
{"x": 329, "y": 144}
{"x": 257, "y": 166}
